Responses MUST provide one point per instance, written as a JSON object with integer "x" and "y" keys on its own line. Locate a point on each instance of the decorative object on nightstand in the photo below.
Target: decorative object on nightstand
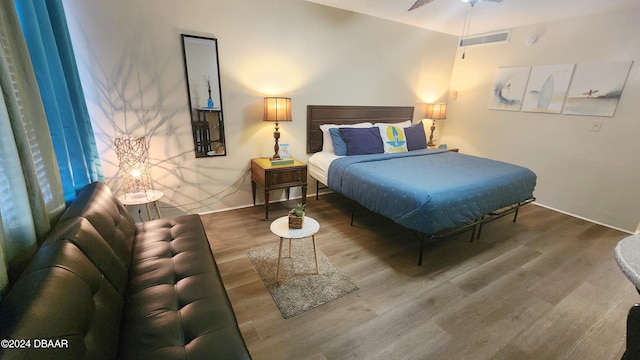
{"x": 296, "y": 216}
{"x": 272, "y": 177}
{"x": 444, "y": 147}
{"x": 285, "y": 152}
{"x": 435, "y": 112}
{"x": 277, "y": 109}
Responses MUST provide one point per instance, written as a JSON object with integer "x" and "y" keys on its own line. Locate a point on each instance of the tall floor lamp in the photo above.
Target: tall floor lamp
{"x": 435, "y": 112}
{"x": 277, "y": 109}
{"x": 133, "y": 156}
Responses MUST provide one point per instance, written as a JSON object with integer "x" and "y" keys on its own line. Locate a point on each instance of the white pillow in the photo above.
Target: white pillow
{"x": 327, "y": 144}
{"x": 403, "y": 124}
{"x": 393, "y": 138}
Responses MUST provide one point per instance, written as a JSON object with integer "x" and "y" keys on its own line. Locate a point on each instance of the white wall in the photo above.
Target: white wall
{"x": 594, "y": 175}
{"x": 132, "y": 73}
{"x": 131, "y": 68}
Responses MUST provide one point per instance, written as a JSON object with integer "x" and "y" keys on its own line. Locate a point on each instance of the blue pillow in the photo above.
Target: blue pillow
{"x": 339, "y": 147}
{"x": 416, "y": 139}
{"x": 362, "y": 141}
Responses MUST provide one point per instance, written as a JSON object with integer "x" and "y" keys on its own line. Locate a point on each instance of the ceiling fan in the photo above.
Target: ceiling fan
{"x": 420, "y": 3}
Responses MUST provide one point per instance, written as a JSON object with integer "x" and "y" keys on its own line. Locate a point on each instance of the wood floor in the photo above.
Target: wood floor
{"x": 546, "y": 287}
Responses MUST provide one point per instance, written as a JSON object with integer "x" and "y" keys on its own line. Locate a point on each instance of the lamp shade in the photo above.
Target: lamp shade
{"x": 277, "y": 109}
{"x": 436, "y": 111}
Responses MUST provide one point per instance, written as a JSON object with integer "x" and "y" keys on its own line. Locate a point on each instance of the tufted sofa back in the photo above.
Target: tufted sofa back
{"x": 102, "y": 287}
{"x": 109, "y": 217}
{"x": 81, "y": 271}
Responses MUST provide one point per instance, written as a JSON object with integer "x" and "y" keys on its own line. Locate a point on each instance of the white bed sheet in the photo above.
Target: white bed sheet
{"x": 319, "y": 165}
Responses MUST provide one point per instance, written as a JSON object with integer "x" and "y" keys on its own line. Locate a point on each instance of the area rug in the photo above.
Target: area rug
{"x": 300, "y": 288}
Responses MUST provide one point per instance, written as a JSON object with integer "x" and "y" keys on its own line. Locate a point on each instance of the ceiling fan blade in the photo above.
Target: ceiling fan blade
{"x": 421, "y": 3}
{"x": 494, "y": 0}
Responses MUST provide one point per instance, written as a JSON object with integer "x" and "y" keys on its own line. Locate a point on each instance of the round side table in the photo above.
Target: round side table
{"x": 280, "y": 227}
{"x": 143, "y": 198}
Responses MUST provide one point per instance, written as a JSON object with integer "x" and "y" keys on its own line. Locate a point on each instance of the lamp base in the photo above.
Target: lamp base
{"x": 430, "y": 143}
{"x": 276, "y": 147}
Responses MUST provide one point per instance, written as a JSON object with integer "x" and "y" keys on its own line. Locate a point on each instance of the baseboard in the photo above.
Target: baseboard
{"x": 250, "y": 205}
{"x": 534, "y": 203}
{"x": 583, "y": 218}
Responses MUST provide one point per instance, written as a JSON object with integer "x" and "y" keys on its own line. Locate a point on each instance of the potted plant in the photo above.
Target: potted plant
{"x": 296, "y": 216}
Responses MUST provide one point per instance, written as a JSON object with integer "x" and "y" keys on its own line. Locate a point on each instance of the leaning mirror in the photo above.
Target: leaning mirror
{"x": 205, "y": 96}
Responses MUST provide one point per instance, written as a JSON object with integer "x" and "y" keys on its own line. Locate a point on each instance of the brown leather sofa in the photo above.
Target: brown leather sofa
{"x": 103, "y": 287}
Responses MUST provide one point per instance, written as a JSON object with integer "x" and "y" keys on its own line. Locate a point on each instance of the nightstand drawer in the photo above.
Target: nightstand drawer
{"x": 286, "y": 176}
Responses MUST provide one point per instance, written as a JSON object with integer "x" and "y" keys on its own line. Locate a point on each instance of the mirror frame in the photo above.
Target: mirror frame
{"x": 206, "y": 120}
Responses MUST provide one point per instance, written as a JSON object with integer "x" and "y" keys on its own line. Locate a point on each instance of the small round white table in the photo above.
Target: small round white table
{"x": 280, "y": 227}
{"x": 143, "y": 198}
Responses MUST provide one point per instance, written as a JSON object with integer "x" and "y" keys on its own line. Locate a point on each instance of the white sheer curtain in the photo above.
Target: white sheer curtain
{"x": 31, "y": 196}
{"x": 4, "y": 277}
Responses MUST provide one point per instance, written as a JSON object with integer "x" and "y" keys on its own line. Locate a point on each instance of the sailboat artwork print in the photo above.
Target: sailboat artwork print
{"x": 508, "y": 88}
{"x": 596, "y": 88}
{"x": 547, "y": 88}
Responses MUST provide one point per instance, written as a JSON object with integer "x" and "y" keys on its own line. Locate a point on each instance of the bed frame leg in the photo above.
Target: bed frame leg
{"x": 421, "y": 250}
{"x": 515, "y": 217}
{"x": 479, "y": 224}
{"x": 317, "y": 189}
{"x": 473, "y": 231}
{"x": 353, "y": 211}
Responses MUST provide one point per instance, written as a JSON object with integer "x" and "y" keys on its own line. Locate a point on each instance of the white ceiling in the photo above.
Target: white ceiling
{"x": 448, "y": 16}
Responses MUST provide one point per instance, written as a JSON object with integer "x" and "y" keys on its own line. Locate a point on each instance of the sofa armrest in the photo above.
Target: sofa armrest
{"x": 63, "y": 307}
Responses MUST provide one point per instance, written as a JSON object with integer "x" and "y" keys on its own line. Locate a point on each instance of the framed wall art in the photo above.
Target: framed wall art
{"x": 547, "y": 88}
{"x": 508, "y": 88}
{"x": 596, "y": 88}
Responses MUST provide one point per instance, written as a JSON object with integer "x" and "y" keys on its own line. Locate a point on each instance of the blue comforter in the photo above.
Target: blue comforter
{"x": 430, "y": 190}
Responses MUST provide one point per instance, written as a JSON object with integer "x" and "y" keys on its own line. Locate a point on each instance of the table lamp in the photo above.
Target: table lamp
{"x": 277, "y": 109}
{"x": 435, "y": 112}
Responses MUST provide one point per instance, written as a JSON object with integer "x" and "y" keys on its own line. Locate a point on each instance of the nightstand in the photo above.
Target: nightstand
{"x": 272, "y": 177}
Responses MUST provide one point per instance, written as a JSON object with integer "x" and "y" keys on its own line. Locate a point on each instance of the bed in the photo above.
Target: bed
{"x": 434, "y": 192}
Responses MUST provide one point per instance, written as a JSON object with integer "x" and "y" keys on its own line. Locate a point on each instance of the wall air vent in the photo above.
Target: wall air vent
{"x": 499, "y": 37}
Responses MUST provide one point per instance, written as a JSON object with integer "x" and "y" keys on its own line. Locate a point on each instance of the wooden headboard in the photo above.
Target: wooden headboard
{"x": 346, "y": 115}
